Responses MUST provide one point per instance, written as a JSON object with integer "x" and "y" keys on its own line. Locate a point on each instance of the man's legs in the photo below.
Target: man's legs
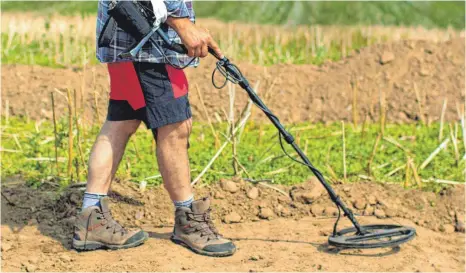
{"x": 107, "y": 152}
{"x": 172, "y": 157}
{"x": 193, "y": 225}
{"x": 95, "y": 228}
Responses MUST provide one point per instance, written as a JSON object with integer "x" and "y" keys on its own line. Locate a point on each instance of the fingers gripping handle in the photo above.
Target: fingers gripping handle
{"x": 180, "y": 48}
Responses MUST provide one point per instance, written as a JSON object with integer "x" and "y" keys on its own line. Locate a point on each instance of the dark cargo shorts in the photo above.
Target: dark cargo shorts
{"x": 156, "y": 94}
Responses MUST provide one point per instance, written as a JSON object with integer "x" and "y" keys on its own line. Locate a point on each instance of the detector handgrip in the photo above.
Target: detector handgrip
{"x": 180, "y": 48}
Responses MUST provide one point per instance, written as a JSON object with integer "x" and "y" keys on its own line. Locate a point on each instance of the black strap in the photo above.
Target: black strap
{"x": 107, "y": 33}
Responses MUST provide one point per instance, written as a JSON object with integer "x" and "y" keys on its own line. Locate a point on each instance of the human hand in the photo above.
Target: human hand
{"x": 196, "y": 39}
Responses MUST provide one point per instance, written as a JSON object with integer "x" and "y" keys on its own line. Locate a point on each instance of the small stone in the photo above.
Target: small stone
{"x": 233, "y": 217}
{"x": 29, "y": 267}
{"x": 278, "y": 208}
{"x": 285, "y": 212}
{"x": 387, "y": 57}
{"x": 266, "y": 213}
{"x": 452, "y": 213}
{"x": 65, "y": 258}
{"x": 253, "y": 193}
{"x": 359, "y": 204}
{"x": 391, "y": 212}
{"x": 137, "y": 222}
{"x": 424, "y": 72}
{"x": 317, "y": 210}
{"x": 372, "y": 200}
{"x": 229, "y": 185}
{"x": 324, "y": 232}
{"x": 447, "y": 228}
{"x": 263, "y": 204}
{"x": 254, "y": 258}
{"x": 369, "y": 210}
{"x": 331, "y": 211}
{"x": 346, "y": 189}
{"x": 33, "y": 259}
{"x": 139, "y": 215}
{"x": 6, "y": 246}
{"x": 379, "y": 213}
{"x": 219, "y": 195}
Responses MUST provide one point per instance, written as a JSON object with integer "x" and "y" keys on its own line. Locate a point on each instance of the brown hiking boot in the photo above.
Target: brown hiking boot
{"x": 95, "y": 229}
{"x": 195, "y": 230}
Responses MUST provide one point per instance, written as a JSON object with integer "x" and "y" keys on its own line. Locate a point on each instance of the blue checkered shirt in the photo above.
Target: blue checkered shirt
{"x": 121, "y": 40}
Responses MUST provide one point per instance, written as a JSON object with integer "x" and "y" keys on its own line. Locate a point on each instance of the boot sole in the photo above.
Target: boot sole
{"x": 200, "y": 251}
{"x": 93, "y": 245}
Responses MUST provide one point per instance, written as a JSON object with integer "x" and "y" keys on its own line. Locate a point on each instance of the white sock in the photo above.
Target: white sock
{"x": 184, "y": 203}
{"x": 91, "y": 199}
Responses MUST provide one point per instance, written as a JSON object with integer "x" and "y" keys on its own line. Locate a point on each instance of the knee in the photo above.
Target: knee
{"x": 127, "y": 127}
{"x": 176, "y": 131}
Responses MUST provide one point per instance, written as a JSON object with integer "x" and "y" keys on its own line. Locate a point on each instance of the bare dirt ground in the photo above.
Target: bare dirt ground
{"x": 273, "y": 232}
{"x": 411, "y": 78}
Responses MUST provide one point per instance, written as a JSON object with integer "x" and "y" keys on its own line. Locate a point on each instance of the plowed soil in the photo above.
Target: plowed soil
{"x": 273, "y": 231}
{"x": 410, "y": 78}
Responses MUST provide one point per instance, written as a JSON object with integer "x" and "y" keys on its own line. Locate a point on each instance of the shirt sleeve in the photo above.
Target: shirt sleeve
{"x": 176, "y": 8}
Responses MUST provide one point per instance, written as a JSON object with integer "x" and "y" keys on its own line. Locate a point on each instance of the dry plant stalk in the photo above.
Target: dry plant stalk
{"x": 442, "y": 118}
{"x": 70, "y": 135}
{"x": 231, "y": 117}
{"x": 414, "y": 171}
{"x": 344, "y": 149}
{"x": 219, "y": 151}
{"x": 407, "y": 173}
{"x": 78, "y": 135}
{"x": 382, "y": 111}
{"x": 354, "y": 87}
{"x": 419, "y": 103}
{"x": 374, "y": 151}
{"x": 55, "y": 133}
{"x": 455, "y": 144}
{"x": 7, "y": 112}
{"x": 442, "y": 146}
{"x": 204, "y": 108}
{"x": 363, "y": 129}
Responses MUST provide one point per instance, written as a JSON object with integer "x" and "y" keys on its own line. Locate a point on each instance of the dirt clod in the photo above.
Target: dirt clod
{"x": 371, "y": 200}
{"x": 253, "y": 193}
{"x": 233, "y": 217}
{"x": 317, "y": 210}
{"x": 6, "y": 246}
{"x": 379, "y": 213}
{"x": 229, "y": 186}
{"x": 331, "y": 211}
{"x": 266, "y": 213}
{"x": 447, "y": 228}
{"x": 387, "y": 57}
{"x": 359, "y": 204}
{"x": 369, "y": 210}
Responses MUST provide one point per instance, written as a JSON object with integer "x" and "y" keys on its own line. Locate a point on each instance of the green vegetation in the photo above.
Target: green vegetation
{"x": 430, "y": 14}
{"x": 28, "y": 150}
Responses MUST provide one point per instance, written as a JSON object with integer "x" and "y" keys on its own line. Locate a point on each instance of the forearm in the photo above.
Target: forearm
{"x": 178, "y": 24}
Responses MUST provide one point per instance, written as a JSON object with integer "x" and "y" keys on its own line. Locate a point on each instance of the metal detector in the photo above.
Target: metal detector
{"x": 129, "y": 16}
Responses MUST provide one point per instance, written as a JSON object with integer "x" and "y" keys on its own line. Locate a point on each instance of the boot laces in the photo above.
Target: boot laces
{"x": 204, "y": 224}
{"x": 111, "y": 224}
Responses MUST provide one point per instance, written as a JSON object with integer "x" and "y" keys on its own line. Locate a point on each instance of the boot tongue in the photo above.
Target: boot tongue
{"x": 104, "y": 204}
{"x": 201, "y": 205}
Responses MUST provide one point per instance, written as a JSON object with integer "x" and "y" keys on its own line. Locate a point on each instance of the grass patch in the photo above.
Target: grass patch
{"x": 28, "y": 150}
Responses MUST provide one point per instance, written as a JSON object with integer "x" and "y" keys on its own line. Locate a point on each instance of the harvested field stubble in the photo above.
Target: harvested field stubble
{"x": 64, "y": 41}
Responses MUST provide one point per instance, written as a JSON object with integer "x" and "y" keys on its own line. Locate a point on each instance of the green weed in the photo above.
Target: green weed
{"x": 32, "y": 154}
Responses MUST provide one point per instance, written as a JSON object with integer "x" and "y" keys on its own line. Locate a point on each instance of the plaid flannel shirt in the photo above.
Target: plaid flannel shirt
{"x": 149, "y": 53}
